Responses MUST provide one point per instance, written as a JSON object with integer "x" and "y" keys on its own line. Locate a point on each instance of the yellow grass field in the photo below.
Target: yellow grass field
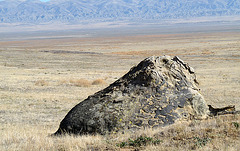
{"x": 41, "y": 80}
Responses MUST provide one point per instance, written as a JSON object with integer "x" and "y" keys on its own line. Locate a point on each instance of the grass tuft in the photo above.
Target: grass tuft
{"x": 140, "y": 141}
{"x": 80, "y": 83}
{"x": 236, "y": 125}
{"x": 41, "y": 83}
{"x": 98, "y": 82}
{"x": 200, "y": 142}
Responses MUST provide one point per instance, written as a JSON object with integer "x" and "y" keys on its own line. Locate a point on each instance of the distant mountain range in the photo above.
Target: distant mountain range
{"x": 77, "y": 11}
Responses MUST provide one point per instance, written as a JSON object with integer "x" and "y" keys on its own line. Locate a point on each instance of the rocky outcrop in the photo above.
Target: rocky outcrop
{"x": 157, "y": 92}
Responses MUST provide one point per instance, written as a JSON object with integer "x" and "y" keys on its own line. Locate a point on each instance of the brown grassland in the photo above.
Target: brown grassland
{"x": 41, "y": 80}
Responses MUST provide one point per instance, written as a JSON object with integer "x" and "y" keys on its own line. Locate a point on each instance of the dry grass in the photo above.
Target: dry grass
{"x": 28, "y": 138}
{"x": 98, "y": 82}
{"x": 217, "y": 133}
{"x": 41, "y": 83}
{"x": 37, "y": 89}
{"x": 212, "y": 134}
{"x": 80, "y": 82}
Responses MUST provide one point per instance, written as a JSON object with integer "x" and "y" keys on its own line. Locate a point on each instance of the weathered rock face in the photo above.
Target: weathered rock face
{"x": 157, "y": 92}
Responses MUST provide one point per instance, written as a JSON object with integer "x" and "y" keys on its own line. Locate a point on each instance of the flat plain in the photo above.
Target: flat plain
{"x": 42, "y": 79}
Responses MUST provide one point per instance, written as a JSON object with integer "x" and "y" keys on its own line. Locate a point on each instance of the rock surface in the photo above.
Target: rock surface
{"x": 155, "y": 93}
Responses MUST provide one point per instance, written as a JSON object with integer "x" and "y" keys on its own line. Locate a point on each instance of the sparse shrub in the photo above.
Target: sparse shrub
{"x": 140, "y": 141}
{"x": 200, "y": 142}
{"x": 41, "y": 83}
{"x": 236, "y": 125}
{"x": 98, "y": 82}
{"x": 122, "y": 144}
{"x": 80, "y": 82}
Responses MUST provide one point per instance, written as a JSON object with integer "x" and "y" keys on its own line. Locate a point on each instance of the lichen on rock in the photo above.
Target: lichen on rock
{"x": 157, "y": 92}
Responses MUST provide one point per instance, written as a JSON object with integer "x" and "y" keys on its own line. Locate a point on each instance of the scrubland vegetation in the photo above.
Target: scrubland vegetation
{"x": 218, "y": 133}
{"x": 39, "y": 87}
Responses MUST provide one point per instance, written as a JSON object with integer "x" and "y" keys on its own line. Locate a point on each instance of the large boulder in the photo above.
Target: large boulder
{"x": 157, "y": 92}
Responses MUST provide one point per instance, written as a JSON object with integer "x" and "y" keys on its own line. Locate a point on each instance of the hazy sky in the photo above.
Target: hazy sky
{"x": 25, "y": 0}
